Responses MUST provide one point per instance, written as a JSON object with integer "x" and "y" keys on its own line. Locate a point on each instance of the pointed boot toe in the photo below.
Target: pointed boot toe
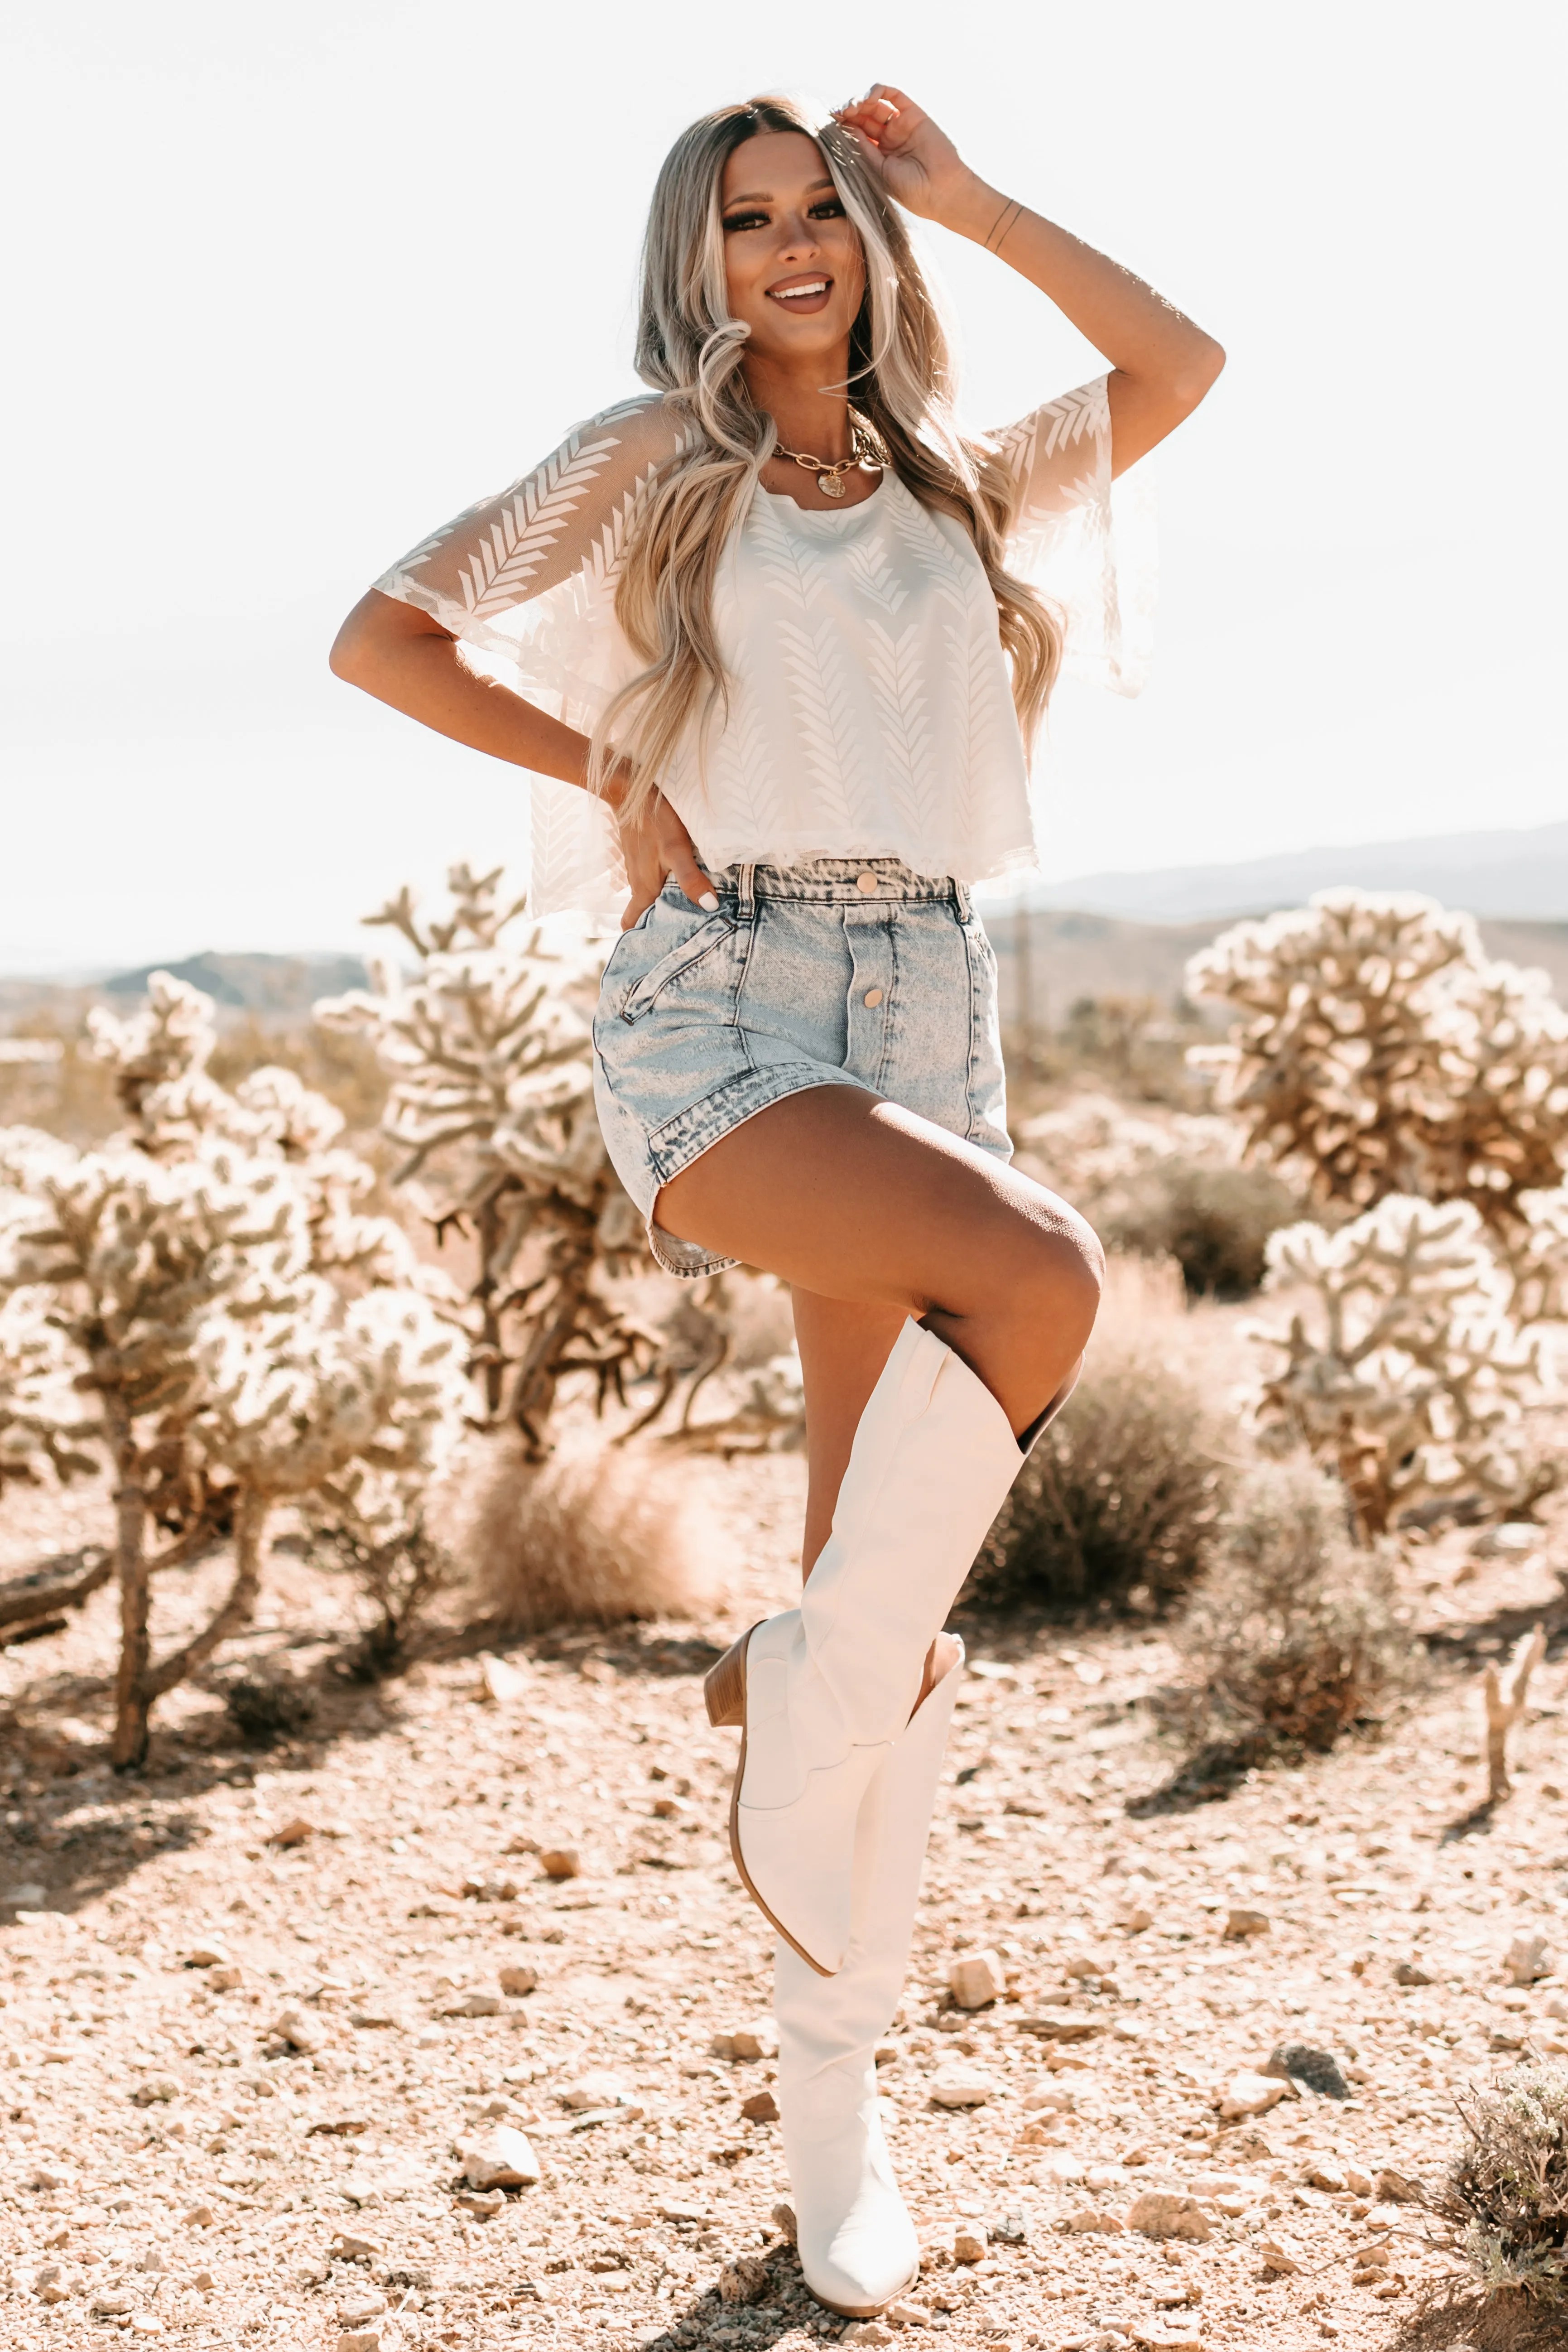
{"x": 856, "y": 2257}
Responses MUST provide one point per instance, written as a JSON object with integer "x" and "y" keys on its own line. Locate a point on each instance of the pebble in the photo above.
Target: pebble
{"x": 362, "y": 2339}
{"x": 518, "y": 1979}
{"x": 867, "y": 2331}
{"x": 208, "y": 1956}
{"x": 498, "y": 1681}
{"x": 968, "y": 2245}
{"x": 597, "y": 2089}
{"x": 1277, "y": 2261}
{"x": 743, "y": 2280}
{"x": 560, "y": 1862}
{"x": 500, "y": 2158}
{"x": 299, "y": 2030}
{"x": 156, "y": 2090}
{"x": 762, "y": 2107}
{"x": 1092, "y": 2222}
{"x": 1392, "y": 2188}
{"x": 961, "y": 2086}
{"x": 1528, "y": 1956}
{"x": 1061, "y": 2025}
{"x": 293, "y": 1832}
{"x": 748, "y": 2041}
{"x": 907, "y": 2315}
{"x": 782, "y": 2217}
{"x": 1241, "y": 1923}
{"x": 975, "y": 1979}
{"x": 1250, "y": 2094}
{"x": 1166, "y": 2338}
{"x": 1411, "y": 1972}
{"x": 472, "y": 2004}
{"x": 1302, "y": 2062}
{"x": 1162, "y": 2213}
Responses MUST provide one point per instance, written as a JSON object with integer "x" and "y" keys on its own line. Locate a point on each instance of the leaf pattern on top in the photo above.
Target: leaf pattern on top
{"x": 868, "y": 709}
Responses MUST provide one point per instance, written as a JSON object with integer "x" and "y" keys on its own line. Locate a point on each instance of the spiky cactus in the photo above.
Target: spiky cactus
{"x": 1403, "y": 1370}
{"x": 1376, "y": 1051}
{"x": 489, "y": 1049}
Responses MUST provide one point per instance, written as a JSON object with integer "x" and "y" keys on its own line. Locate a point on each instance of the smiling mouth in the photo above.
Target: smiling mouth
{"x": 810, "y": 294}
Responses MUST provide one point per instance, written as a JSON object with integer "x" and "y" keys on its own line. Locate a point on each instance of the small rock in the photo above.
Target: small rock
{"x": 208, "y": 1956}
{"x": 1162, "y": 2213}
{"x": 519, "y": 1979}
{"x": 1092, "y": 2222}
{"x": 472, "y": 2004}
{"x": 1136, "y": 1920}
{"x": 500, "y": 2158}
{"x": 782, "y": 2217}
{"x": 1013, "y": 2230}
{"x": 111, "y": 2304}
{"x": 748, "y": 2041}
{"x": 968, "y": 2245}
{"x": 762, "y": 2107}
{"x": 227, "y": 1977}
{"x": 1302, "y": 2061}
{"x": 1251, "y": 2095}
{"x": 1168, "y": 2337}
{"x": 28, "y": 1896}
{"x": 672, "y": 1808}
{"x": 866, "y": 2331}
{"x": 961, "y": 2086}
{"x": 491, "y": 1887}
{"x": 1085, "y": 1965}
{"x": 1411, "y": 1972}
{"x": 908, "y": 2314}
{"x": 1060, "y": 2025}
{"x": 483, "y": 2203}
{"x": 361, "y": 2310}
{"x": 1277, "y": 2261}
{"x": 498, "y": 1681}
{"x": 293, "y": 1832}
{"x": 560, "y": 1862}
{"x": 1392, "y": 2188}
{"x": 299, "y": 2030}
{"x": 346, "y": 2248}
{"x": 595, "y": 2090}
{"x": 743, "y": 2279}
{"x": 199, "y": 2217}
{"x": 157, "y": 2090}
{"x": 1528, "y": 1956}
{"x": 1240, "y": 1923}
{"x": 362, "y": 2339}
{"x": 975, "y": 1979}
{"x": 1322, "y": 2172}
{"x": 374, "y": 2019}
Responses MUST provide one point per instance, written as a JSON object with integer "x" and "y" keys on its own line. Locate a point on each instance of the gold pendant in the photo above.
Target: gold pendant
{"x": 831, "y": 485}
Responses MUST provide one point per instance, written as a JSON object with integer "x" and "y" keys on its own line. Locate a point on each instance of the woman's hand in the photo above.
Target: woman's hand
{"x": 919, "y": 165}
{"x": 653, "y": 845}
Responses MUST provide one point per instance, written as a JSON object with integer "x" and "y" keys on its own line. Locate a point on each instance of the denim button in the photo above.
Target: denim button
{"x": 866, "y": 882}
{"x": 873, "y": 998}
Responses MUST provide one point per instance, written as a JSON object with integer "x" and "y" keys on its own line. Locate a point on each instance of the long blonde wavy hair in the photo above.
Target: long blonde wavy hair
{"x": 690, "y": 349}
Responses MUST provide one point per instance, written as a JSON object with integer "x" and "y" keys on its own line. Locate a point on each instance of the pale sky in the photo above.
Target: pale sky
{"x": 286, "y": 288}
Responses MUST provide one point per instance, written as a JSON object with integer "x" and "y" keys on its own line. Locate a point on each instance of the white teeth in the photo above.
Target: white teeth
{"x": 799, "y": 293}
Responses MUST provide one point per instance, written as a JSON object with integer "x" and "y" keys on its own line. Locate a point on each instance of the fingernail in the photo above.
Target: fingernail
{"x": 709, "y": 901}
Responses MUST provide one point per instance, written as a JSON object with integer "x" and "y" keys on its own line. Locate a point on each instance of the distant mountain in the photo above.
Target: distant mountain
{"x": 274, "y": 987}
{"x": 1518, "y": 874}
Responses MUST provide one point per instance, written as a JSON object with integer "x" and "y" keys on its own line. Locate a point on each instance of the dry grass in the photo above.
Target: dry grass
{"x": 589, "y": 1537}
{"x": 1507, "y": 2191}
{"x": 1119, "y": 1498}
{"x": 1294, "y": 1631}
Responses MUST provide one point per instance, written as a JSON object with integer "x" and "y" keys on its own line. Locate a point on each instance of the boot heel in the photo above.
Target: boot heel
{"x": 724, "y": 1685}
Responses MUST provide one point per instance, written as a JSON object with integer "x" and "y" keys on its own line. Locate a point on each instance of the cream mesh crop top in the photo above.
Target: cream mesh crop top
{"x": 870, "y": 712}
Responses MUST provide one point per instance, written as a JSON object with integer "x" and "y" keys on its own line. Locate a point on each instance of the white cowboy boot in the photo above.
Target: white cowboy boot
{"x": 823, "y": 1690}
{"x": 857, "y": 2244}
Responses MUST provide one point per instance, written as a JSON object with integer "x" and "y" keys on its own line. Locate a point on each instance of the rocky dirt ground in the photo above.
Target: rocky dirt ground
{"x": 255, "y": 2004}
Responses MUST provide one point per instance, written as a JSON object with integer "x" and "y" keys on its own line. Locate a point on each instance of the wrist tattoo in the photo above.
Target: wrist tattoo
{"x": 1001, "y": 226}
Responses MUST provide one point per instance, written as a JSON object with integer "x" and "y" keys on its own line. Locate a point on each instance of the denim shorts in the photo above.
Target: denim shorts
{"x": 837, "y": 972}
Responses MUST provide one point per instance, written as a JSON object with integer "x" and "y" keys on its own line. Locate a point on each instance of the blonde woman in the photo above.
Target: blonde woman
{"x": 773, "y": 641}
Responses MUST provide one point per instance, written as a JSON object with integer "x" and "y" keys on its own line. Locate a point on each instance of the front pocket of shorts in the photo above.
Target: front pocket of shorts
{"x": 674, "y": 965}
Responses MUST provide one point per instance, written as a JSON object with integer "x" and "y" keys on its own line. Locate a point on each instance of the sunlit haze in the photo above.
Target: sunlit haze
{"x": 289, "y": 287}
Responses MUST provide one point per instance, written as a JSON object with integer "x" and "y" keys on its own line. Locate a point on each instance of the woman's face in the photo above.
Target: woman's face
{"x": 793, "y": 263}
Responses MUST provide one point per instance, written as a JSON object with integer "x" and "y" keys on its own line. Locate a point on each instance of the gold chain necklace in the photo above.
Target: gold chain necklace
{"x": 864, "y": 451}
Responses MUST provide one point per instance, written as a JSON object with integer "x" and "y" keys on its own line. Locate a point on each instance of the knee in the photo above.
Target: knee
{"x": 1058, "y": 1284}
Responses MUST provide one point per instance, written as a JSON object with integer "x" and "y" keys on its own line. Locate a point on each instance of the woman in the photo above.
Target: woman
{"x": 773, "y": 632}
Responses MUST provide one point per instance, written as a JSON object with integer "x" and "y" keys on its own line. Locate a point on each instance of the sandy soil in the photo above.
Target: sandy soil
{"x": 172, "y": 2165}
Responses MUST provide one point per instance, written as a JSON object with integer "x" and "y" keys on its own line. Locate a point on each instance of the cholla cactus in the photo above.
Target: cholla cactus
{"x": 489, "y": 1050}
{"x": 1379, "y": 1050}
{"x": 1405, "y": 1371}
{"x": 236, "y": 1332}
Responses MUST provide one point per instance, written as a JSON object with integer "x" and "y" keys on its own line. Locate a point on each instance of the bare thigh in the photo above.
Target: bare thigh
{"x": 858, "y": 1202}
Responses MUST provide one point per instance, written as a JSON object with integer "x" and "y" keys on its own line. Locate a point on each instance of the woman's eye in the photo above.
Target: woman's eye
{"x": 829, "y": 209}
{"x": 745, "y": 220}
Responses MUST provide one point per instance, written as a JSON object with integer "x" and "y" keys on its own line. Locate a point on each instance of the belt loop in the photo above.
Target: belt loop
{"x": 745, "y": 892}
{"x": 961, "y": 898}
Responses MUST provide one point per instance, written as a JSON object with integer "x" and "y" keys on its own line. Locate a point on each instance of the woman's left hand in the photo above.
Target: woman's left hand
{"x": 919, "y": 165}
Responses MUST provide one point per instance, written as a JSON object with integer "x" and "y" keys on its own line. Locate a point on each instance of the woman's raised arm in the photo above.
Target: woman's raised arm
{"x": 1161, "y": 364}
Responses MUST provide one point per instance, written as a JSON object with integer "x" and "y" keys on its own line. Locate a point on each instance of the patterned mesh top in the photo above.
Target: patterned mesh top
{"x": 870, "y": 712}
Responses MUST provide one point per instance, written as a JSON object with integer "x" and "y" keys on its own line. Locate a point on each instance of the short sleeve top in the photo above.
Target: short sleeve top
{"x": 869, "y": 709}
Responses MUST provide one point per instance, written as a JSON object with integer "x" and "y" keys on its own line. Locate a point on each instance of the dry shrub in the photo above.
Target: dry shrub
{"x": 588, "y": 1537}
{"x": 1213, "y": 1221}
{"x": 1294, "y": 1631}
{"x": 1119, "y": 1500}
{"x": 1506, "y": 2194}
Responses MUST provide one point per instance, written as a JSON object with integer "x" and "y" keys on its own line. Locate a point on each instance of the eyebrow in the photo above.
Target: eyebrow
{"x": 760, "y": 196}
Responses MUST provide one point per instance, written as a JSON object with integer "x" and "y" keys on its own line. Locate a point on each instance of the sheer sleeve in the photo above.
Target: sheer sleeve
{"x": 526, "y": 581}
{"x": 1086, "y": 544}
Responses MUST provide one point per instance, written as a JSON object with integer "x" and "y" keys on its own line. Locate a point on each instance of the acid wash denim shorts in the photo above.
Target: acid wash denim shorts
{"x": 836, "y": 973}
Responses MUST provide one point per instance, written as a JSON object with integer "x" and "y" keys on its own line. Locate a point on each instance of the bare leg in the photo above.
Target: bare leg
{"x": 863, "y": 1206}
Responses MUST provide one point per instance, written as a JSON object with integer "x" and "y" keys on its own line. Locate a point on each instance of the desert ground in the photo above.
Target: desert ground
{"x": 262, "y": 2004}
